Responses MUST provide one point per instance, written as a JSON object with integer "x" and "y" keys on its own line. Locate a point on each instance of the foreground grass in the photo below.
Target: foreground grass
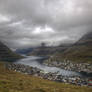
{"x": 16, "y": 82}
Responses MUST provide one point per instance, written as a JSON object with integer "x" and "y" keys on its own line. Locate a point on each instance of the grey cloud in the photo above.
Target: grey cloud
{"x": 69, "y": 20}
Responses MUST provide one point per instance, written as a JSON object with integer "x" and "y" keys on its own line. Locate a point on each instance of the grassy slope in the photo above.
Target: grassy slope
{"x": 78, "y": 54}
{"x": 80, "y": 51}
{"x": 6, "y": 54}
{"x": 16, "y": 82}
{"x": 46, "y": 51}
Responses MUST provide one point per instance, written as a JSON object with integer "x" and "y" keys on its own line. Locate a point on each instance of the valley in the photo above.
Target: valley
{"x": 45, "y": 45}
{"x": 51, "y": 64}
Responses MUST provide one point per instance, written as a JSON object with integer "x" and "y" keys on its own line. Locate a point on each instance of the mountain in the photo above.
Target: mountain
{"x": 6, "y": 54}
{"x": 41, "y": 51}
{"x": 24, "y": 51}
{"x": 81, "y": 51}
{"x": 47, "y": 51}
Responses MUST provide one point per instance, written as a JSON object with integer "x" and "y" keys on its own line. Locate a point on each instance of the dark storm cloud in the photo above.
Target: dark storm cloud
{"x": 25, "y": 23}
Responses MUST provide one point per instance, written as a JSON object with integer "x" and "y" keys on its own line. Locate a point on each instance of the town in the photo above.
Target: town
{"x": 69, "y": 65}
{"x": 76, "y": 80}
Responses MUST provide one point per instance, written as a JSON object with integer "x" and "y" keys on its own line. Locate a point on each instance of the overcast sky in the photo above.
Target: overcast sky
{"x": 26, "y": 23}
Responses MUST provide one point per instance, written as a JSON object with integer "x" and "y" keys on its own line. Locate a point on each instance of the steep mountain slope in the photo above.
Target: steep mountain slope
{"x": 41, "y": 51}
{"x": 6, "y": 54}
{"x": 47, "y": 51}
{"x": 81, "y": 51}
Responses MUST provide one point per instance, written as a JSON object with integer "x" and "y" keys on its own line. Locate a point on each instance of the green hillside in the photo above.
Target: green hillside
{"x": 48, "y": 51}
{"x": 81, "y": 51}
{"x": 6, "y": 54}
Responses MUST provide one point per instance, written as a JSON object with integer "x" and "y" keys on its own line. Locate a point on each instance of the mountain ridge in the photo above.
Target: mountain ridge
{"x": 6, "y": 54}
{"x": 81, "y": 51}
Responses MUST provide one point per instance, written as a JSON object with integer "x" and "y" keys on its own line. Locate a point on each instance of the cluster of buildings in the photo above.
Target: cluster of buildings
{"x": 71, "y": 66}
{"x": 77, "y": 80}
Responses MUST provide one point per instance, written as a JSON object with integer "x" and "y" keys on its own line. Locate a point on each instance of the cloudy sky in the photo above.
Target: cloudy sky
{"x": 26, "y": 23}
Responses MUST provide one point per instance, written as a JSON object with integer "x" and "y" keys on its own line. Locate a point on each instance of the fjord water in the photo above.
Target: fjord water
{"x": 34, "y": 61}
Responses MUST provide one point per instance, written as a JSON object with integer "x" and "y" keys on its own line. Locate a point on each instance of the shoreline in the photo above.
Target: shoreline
{"x": 76, "y": 80}
{"x": 70, "y": 66}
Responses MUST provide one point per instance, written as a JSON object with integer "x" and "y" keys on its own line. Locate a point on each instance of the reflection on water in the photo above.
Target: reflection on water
{"x": 34, "y": 62}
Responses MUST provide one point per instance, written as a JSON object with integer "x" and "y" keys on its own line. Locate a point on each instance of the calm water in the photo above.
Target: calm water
{"x": 35, "y": 62}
